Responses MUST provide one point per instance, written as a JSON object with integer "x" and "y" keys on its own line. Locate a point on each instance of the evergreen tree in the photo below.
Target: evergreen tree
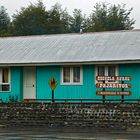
{"x": 118, "y": 18}
{"x": 58, "y": 21}
{"x": 31, "y": 20}
{"x": 106, "y": 17}
{"x": 77, "y": 21}
{"x": 4, "y": 21}
{"x": 36, "y": 20}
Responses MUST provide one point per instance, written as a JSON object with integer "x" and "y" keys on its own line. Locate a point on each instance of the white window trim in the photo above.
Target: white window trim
{"x": 106, "y": 74}
{"x": 71, "y": 76}
{"x": 7, "y": 83}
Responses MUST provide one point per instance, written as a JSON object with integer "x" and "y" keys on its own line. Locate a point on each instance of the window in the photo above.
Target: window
{"x": 76, "y": 74}
{"x": 101, "y": 70}
{"x": 4, "y": 79}
{"x": 66, "y": 75}
{"x": 110, "y": 70}
{"x": 71, "y": 75}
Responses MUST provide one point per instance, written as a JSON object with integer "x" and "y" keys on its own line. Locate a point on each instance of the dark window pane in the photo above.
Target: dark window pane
{"x": 76, "y": 74}
{"x": 4, "y": 87}
{"x": 66, "y": 74}
{"x": 5, "y": 75}
{"x": 101, "y": 71}
{"x": 111, "y": 71}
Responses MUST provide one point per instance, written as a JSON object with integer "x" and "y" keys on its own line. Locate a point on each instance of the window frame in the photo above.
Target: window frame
{"x": 71, "y": 76}
{"x": 9, "y": 79}
{"x": 106, "y": 73}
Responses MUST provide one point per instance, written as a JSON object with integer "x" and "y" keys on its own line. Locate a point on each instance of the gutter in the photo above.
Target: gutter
{"x": 71, "y": 63}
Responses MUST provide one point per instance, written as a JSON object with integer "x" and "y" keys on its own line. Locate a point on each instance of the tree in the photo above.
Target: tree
{"x": 36, "y": 20}
{"x": 118, "y": 18}
{"x": 77, "y": 21}
{"x": 66, "y": 19}
{"x": 4, "y": 21}
{"x": 31, "y": 20}
{"x": 58, "y": 21}
{"x": 106, "y": 17}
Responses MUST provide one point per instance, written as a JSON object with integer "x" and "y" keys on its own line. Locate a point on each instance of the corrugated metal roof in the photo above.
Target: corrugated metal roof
{"x": 71, "y": 48}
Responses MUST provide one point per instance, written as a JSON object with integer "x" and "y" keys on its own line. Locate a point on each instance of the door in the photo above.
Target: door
{"x": 29, "y": 81}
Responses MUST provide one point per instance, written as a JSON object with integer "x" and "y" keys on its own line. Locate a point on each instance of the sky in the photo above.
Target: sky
{"x": 85, "y": 5}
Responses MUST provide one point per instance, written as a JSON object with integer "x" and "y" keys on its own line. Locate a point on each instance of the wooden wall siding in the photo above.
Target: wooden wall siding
{"x": 132, "y": 70}
{"x": 87, "y": 90}
{"x": 16, "y": 85}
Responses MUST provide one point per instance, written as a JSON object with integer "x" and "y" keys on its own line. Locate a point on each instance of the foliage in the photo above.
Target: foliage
{"x": 4, "y": 21}
{"x": 106, "y": 17}
{"x": 77, "y": 21}
{"x": 36, "y": 20}
{"x": 30, "y": 20}
{"x": 58, "y": 20}
{"x": 118, "y": 18}
{"x": 13, "y": 98}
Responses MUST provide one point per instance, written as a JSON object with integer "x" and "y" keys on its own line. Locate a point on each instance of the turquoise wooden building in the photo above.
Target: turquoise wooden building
{"x": 27, "y": 64}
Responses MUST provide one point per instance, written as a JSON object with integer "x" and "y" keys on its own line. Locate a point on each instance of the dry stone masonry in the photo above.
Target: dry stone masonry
{"x": 56, "y": 115}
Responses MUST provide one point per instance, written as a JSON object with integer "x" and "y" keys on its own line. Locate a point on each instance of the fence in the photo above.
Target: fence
{"x": 83, "y": 100}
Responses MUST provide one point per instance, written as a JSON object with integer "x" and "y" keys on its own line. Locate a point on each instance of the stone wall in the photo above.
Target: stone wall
{"x": 95, "y": 115}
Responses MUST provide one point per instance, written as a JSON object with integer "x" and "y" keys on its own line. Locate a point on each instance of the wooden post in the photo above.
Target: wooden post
{"x": 103, "y": 95}
{"x": 122, "y": 91}
{"x": 52, "y": 96}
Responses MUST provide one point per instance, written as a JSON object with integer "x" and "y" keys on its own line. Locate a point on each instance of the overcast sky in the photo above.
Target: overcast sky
{"x": 85, "y": 5}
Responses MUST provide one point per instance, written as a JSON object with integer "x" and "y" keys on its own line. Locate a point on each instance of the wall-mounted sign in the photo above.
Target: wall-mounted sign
{"x": 113, "y": 78}
{"x": 113, "y": 93}
{"x": 112, "y": 85}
